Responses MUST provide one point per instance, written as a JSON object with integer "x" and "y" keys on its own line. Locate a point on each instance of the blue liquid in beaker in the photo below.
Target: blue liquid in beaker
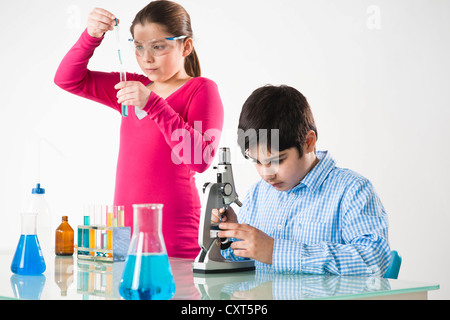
{"x": 155, "y": 280}
{"x": 28, "y": 259}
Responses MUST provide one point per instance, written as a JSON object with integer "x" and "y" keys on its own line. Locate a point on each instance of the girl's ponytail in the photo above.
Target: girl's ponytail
{"x": 192, "y": 64}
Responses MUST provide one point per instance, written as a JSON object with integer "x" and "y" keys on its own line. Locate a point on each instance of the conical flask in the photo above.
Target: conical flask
{"x": 147, "y": 274}
{"x": 28, "y": 259}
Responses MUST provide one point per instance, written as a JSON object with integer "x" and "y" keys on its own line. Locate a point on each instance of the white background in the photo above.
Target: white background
{"x": 376, "y": 74}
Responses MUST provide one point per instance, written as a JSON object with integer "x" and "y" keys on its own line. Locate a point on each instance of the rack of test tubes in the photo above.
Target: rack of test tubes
{"x": 103, "y": 236}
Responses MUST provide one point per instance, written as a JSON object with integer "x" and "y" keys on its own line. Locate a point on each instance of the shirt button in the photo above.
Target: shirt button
{"x": 280, "y": 227}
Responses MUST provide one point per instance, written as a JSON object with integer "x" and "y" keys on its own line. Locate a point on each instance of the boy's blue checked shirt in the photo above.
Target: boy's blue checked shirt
{"x": 332, "y": 222}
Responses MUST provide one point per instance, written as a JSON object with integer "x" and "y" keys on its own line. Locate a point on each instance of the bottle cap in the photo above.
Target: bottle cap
{"x": 38, "y": 189}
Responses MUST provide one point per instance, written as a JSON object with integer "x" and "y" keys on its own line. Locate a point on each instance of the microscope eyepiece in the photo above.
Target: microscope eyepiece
{"x": 224, "y": 156}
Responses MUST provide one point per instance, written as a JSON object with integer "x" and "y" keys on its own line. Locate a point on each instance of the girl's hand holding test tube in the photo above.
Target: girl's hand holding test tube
{"x": 132, "y": 93}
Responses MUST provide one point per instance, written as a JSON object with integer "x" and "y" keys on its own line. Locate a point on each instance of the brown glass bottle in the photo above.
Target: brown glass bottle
{"x": 64, "y": 239}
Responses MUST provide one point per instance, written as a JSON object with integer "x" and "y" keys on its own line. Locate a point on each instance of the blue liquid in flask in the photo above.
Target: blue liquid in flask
{"x": 28, "y": 259}
{"x": 154, "y": 280}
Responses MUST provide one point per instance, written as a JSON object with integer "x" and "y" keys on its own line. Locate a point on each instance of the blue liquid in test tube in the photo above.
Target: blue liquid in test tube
{"x": 86, "y": 234}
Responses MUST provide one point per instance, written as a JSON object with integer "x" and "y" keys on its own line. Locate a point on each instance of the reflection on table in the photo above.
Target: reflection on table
{"x": 101, "y": 280}
{"x": 264, "y": 284}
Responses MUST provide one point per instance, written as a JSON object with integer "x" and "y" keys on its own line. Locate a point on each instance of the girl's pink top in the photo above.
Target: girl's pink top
{"x": 160, "y": 154}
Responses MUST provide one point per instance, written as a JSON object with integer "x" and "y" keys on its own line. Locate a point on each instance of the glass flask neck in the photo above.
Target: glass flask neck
{"x": 29, "y": 223}
{"x": 147, "y": 229}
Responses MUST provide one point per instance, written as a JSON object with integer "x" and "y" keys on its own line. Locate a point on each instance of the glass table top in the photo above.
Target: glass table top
{"x": 76, "y": 279}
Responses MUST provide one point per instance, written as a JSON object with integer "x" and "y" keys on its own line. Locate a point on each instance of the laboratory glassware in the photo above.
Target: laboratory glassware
{"x": 123, "y": 74}
{"x": 147, "y": 274}
{"x": 28, "y": 258}
{"x": 64, "y": 238}
{"x": 38, "y": 204}
{"x": 86, "y": 234}
{"x": 119, "y": 213}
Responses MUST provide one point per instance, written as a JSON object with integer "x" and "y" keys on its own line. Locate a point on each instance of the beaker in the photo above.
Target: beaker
{"x": 147, "y": 274}
{"x": 28, "y": 259}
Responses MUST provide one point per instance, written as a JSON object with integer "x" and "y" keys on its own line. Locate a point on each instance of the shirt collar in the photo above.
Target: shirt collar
{"x": 318, "y": 174}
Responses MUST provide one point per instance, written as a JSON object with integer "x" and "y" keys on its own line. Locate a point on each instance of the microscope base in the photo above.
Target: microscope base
{"x": 223, "y": 267}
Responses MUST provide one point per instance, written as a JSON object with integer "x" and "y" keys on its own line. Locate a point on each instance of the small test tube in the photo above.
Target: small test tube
{"x": 91, "y": 230}
{"x": 80, "y": 239}
{"x": 121, "y": 216}
{"x": 114, "y": 217}
{"x": 98, "y": 232}
{"x": 86, "y": 233}
{"x": 110, "y": 213}
{"x": 123, "y": 74}
{"x": 123, "y": 77}
{"x": 103, "y": 232}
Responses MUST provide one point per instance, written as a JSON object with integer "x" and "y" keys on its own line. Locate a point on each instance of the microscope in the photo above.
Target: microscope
{"x": 217, "y": 195}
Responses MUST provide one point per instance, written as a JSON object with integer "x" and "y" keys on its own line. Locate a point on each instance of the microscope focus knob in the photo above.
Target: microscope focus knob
{"x": 205, "y": 186}
{"x": 226, "y": 189}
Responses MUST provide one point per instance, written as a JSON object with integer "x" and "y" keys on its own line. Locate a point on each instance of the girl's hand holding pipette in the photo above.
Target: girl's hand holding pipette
{"x": 100, "y": 21}
{"x": 132, "y": 93}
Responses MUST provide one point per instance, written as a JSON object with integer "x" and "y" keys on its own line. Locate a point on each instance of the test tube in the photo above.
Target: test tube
{"x": 123, "y": 75}
{"x": 114, "y": 217}
{"x": 86, "y": 234}
{"x": 109, "y": 217}
{"x": 98, "y": 232}
{"x": 103, "y": 224}
{"x": 91, "y": 230}
{"x": 121, "y": 216}
{"x": 80, "y": 239}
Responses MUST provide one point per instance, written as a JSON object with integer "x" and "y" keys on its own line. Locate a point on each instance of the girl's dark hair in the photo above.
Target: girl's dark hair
{"x": 271, "y": 107}
{"x": 177, "y": 22}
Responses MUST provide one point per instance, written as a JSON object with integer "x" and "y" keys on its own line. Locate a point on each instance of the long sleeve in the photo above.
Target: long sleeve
{"x": 193, "y": 135}
{"x": 74, "y": 76}
{"x": 332, "y": 222}
{"x": 364, "y": 251}
{"x": 199, "y": 135}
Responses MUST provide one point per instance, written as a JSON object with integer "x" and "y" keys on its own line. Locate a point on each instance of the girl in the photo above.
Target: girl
{"x": 183, "y": 109}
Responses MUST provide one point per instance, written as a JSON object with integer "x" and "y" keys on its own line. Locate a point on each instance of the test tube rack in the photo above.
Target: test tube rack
{"x": 99, "y": 250}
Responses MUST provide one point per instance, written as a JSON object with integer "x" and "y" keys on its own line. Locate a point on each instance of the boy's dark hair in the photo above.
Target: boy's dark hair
{"x": 275, "y": 107}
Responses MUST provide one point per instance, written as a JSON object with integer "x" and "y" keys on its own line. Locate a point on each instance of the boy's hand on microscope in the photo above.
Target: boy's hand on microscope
{"x": 254, "y": 243}
{"x": 132, "y": 93}
{"x": 100, "y": 21}
{"x": 228, "y": 216}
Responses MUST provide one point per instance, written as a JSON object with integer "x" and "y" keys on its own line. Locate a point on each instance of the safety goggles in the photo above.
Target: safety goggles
{"x": 156, "y": 47}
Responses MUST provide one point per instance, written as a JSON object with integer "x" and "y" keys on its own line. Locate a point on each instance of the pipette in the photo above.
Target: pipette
{"x": 123, "y": 75}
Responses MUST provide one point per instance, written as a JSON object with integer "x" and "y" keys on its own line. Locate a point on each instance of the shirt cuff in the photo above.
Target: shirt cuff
{"x": 286, "y": 256}
{"x": 90, "y": 40}
{"x": 154, "y": 104}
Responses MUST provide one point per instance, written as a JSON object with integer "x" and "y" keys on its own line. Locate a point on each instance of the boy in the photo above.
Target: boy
{"x": 305, "y": 214}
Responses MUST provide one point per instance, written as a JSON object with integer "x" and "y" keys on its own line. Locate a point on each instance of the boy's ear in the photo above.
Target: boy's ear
{"x": 311, "y": 140}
